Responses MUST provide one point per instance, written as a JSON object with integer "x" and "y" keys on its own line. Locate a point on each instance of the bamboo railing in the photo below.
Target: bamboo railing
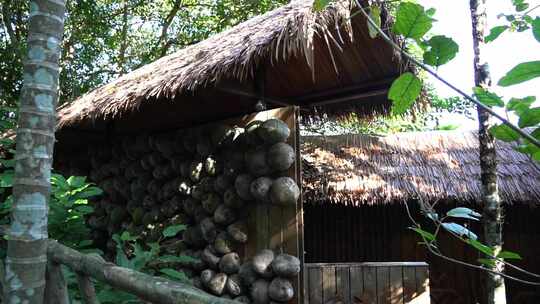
{"x": 146, "y": 287}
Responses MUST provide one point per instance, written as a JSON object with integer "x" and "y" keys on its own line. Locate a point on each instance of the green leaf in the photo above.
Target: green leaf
{"x": 76, "y": 181}
{"x": 459, "y": 230}
{"x": 85, "y": 209}
{"x": 412, "y": 21}
{"x": 529, "y": 118}
{"x": 520, "y": 5}
{"x": 536, "y": 133}
{"x": 177, "y": 259}
{"x": 173, "y": 230}
{"x": 85, "y": 243}
{"x": 90, "y": 192}
{"x": 442, "y": 49}
{"x": 319, "y": 5}
{"x": 488, "y": 98}
{"x": 509, "y": 255}
{"x": 481, "y": 247}
{"x": 404, "y": 92}
{"x": 59, "y": 181}
{"x": 495, "y": 33}
{"x": 175, "y": 274}
{"x": 504, "y": 133}
{"x": 520, "y": 104}
{"x": 126, "y": 236}
{"x": 6, "y": 179}
{"x": 375, "y": 15}
{"x": 490, "y": 263}
{"x": 536, "y": 28}
{"x": 463, "y": 212}
{"x": 427, "y": 235}
{"x": 521, "y": 73}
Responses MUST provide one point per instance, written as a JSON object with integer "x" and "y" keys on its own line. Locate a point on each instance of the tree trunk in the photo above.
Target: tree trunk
{"x": 491, "y": 201}
{"x": 27, "y": 244}
{"x": 124, "y": 42}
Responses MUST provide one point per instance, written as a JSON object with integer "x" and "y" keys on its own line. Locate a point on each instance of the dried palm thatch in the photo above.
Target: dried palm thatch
{"x": 434, "y": 166}
{"x": 277, "y": 35}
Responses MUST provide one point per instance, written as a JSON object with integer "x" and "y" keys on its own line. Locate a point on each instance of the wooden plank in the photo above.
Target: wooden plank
{"x": 409, "y": 284}
{"x": 315, "y": 291}
{"x": 383, "y": 285}
{"x": 396, "y": 285}
{"x": 329, "y": 283}
{"x": 370, "y": 285}
{"x": 422, "y": 285}
{"x": 300, "y": 203}
{"x": 262, "y": 235}
{"x": 356, "y": 285}
{"x": 275, "y": 228}
{"x": 343, "y": 285}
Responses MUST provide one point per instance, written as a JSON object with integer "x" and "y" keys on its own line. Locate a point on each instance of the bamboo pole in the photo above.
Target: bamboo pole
{"x": 146, "y": 287}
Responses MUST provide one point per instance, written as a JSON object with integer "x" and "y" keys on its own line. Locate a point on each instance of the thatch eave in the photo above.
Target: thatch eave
{"x": 299, "y": 48}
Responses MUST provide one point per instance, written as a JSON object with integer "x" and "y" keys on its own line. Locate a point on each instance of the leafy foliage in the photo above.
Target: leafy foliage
{"x": 104, "y": 39}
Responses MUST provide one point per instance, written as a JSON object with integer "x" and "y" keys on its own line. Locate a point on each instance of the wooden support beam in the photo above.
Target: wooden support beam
{"x": 349, "y": 97}
{"x": 348, "y": 89}
{"x": 146, "y": 287}
{"x": 252, "y": 95}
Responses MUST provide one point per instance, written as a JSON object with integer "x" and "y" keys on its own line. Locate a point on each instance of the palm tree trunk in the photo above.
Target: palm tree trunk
{"x": 491, "y": 201}
{"x": 27, "y": 237}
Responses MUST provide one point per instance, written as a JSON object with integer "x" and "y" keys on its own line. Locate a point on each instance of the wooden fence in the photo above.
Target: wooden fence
{"x": 91, "y": 267}
{"x": 366, "y": 283}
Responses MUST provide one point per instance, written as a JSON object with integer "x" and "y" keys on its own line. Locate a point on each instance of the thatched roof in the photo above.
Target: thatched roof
{"x": 299, "y": 49}
{"x": 436, "y": 166}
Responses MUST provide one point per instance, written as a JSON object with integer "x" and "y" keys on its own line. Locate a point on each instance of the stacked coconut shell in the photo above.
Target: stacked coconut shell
{"x": 207, "y": 178}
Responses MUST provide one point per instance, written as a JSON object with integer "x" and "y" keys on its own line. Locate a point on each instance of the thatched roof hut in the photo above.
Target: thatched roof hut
{"x": 290, "y": 56}
{"x": 435, "y": 166}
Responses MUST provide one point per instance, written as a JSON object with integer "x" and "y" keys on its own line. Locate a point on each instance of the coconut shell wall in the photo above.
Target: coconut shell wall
{"x": 234, "y": 183}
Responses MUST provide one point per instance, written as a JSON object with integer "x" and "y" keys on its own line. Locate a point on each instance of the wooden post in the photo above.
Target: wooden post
{"x": 88, "y": 292}
{"x": 55, "y": 287}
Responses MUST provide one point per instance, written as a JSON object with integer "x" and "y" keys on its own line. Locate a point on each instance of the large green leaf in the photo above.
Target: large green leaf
{"x": 519, "y": 105}
{"x": 375, "y": 15}
{"x": 504, "y": 133}
{"x": 173, "y": 230}
{"x": 495, "y": 33}
{"x": 442, "y": 49}
{"x": 536, "y": 28}
{"x": 521, "y": 73}
{"x": 319, "y": 5}
{"x": 425, "y": 234}
{"x": 530, "y": 117}
{"x": 509, "y": 255}
{"x": 404, "y": 92}
{"x": 463, "y": 212}
{"x": 412, "y": 21}
{"x": 520, "y": 5}
{"x": 459, "y": 230}
{"x": 488, "y": 98}
{"x": 481, "y": 247}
